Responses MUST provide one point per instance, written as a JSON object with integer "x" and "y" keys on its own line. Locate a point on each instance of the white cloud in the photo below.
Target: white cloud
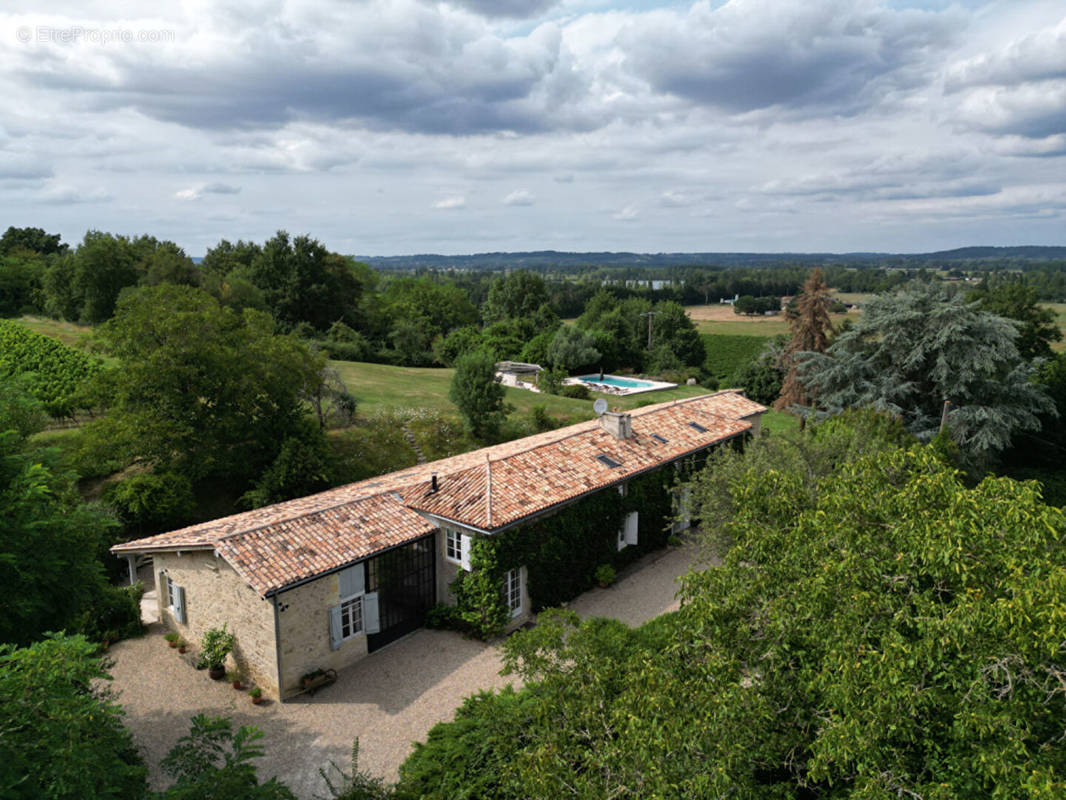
{"x": 519, "y": 197}
{"x": 747, "y": 124}
{"x": 451, "y": 203}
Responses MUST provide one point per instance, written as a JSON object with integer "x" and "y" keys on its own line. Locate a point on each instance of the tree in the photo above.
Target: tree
{"x": 1036, "y": 329}
{"x": 672, "y": 327}
{"x": 35, "y": 240}
{"x": 877, "y": 631}
{"x": 103, "y": 265}
{"x": 202, "y": 390}
{"x": 913, "y": 350}
{"x": 213, "y": 763}
{"x": 63, "y": 737}
{"x": 50, "y": 540}
{"x": 519, "y": 294}
{"x": 571, "y": 348}
{"x": 811, "y": 327}
{"x": 478, "y": 396}
{"x": 302, "y": 281}
{"x": 761, "y": 378}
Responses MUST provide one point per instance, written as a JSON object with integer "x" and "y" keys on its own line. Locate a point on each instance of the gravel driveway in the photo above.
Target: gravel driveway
{"x": 388, "y": 700}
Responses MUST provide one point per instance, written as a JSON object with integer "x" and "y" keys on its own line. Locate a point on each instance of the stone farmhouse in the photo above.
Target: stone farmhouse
{"x": 321, "y": 581}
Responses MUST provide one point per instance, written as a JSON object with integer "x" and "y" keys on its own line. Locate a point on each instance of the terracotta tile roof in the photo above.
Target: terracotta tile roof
{"x": 278, "y": 545}
{"x": 502, "y": 491}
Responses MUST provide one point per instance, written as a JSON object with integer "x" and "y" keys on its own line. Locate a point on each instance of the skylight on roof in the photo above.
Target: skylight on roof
{"x": 608, "y": 461}
{"x": 697, "y": 427}
{"x": 658, "y": 438}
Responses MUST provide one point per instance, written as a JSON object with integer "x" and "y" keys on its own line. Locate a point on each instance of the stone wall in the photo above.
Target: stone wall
{"x": 216, "y": 595}
{"x": 304, "y": 629}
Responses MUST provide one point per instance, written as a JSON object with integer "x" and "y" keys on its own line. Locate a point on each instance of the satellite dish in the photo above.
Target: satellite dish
{"x": 600, "y": 406}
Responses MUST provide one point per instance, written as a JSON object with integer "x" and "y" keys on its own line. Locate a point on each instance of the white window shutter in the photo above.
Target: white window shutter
{"x": 335, "y": 628}
{"x": 631, "y": 527}
{"x": 465, "y": 552}
{"x": 350, "y": 581}
{"x": 179, "y": 604}
{"x": 371, "y": 620}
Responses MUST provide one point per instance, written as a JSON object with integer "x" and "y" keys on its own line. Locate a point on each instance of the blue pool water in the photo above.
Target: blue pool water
{"x": 613, "y": 380}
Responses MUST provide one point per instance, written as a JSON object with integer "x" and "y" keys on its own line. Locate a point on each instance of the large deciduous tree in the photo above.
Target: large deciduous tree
{"x": 61, "y": 735}
{"x": 519, "y": 294}
{"x": 811, "y": 327}
{"x": 877, "y": 630}
{"x": 201, "y": 389}
{"x": 302, "y": 281}
{"x": 913, "y": 350}
{"x": 50, "y": 541}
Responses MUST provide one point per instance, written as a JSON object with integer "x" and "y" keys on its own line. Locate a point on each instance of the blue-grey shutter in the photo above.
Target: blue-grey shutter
{"x": 371, "y": 621}
{"x": 335, "y": 628}
{"x": 351, "y": 581}
{"x": 179, "y": 604}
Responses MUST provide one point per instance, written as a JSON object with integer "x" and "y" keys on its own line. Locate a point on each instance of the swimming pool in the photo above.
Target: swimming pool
{"x": 613, "y": 384}
{"x": 614, "y": 380}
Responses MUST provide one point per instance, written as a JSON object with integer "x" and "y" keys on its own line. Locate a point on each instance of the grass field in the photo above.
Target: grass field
{"x": 1060, "y": 320}
{"x": 720, "y": 319}
{"x": 66, "y": 332}
{"x": 378, "y": 386}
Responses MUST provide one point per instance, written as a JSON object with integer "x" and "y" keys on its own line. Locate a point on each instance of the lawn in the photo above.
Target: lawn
{"x": 1060, "y": 320}
{"x": 721, "y": 319}
{"x": 378, "y": 386}
{"x": 67, "y": 332}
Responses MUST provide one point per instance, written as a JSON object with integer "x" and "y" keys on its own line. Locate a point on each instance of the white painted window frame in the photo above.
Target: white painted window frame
{"x": 512, "y": 591}
{"x": 452, "y": 538}
{"x": 628, "y": 534}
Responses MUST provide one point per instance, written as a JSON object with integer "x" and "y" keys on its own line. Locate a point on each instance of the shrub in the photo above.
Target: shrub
{"x": 216, "y": 644}
{"x": 605, "y": 575}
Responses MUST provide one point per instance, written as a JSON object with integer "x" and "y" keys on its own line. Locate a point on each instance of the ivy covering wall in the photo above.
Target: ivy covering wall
{"x": 561, "y": 552}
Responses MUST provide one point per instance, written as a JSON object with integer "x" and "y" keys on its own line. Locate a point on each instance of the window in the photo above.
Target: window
{"x": 607, "y": 461}
{"x": 698, "y": 427}
{"x": 457, "y": 548}
{"x": 453, "y": 545}
{"x": 351, "y": 617}
{"x": 658, "y": 438}
{"x": 627, "y": 534}
{"x": 512, "y": 590}
{"x": 175, "y": 596}
{"x": 623, "y": 489}
{"x": 357, "y": 611}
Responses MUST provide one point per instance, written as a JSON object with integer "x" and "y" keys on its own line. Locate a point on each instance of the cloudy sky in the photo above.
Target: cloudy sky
{"x": 407, "y": 126}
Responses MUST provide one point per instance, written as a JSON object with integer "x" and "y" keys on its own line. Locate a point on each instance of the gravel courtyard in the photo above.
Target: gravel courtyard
{"x": 388, "y": 700}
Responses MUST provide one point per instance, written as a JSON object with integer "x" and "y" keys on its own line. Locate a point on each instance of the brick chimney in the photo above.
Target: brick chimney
{"x": 617, "y": 423}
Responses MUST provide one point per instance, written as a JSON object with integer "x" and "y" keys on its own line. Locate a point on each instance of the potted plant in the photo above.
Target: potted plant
{"x": 172, "y": 638}
{"x": 605, "y": 575}
{"x": 256, "y": 694}
{"x": 214, "y": 647}
{"x": 235, "y": 678}
{"x": 182, "y": 645}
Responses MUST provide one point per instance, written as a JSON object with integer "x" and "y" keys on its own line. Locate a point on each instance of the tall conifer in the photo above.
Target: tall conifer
{"x": 811, "y": 327}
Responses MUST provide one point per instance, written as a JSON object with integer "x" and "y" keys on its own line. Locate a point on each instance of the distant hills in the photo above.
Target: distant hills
{"x": 547, "y": 259}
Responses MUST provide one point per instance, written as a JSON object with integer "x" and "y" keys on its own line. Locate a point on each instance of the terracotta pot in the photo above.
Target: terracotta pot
{"x": 257, "y": 700}
{"x": 238, "y": 685}
{"x": 217, "y": 673}
{"x": 173, "y": 644}
{"x": 182, "y": 648}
